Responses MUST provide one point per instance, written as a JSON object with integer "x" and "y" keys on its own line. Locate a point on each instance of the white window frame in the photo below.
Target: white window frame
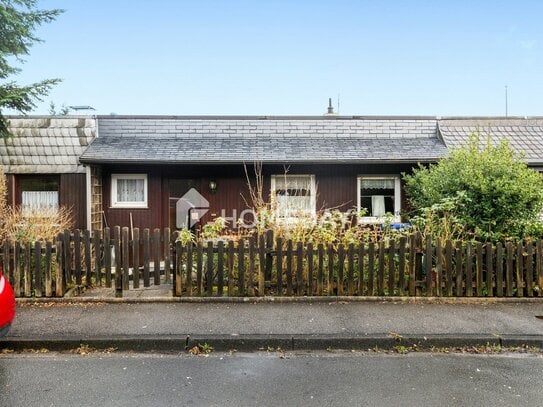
{"x": 117, "y": 204}
{"x": 313, "y": 196}
{"x": 397, "y": 198}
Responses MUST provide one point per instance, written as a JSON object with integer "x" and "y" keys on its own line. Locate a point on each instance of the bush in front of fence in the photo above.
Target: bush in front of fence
{"x": 485, "y": 192}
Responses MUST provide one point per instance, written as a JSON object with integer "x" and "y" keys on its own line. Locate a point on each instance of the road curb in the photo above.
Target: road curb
{"x": 179, "y": 343}
{"x": 283, "y": 300}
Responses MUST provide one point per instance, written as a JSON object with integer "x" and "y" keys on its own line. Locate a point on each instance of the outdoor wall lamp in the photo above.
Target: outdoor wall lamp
{"x": 212, "y": 186}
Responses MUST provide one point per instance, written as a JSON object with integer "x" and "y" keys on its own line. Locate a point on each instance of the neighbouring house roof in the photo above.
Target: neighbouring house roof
{"x": 525, "y": 135}
{"x": 322, "y": 139}
{"x": 46, "y": 144}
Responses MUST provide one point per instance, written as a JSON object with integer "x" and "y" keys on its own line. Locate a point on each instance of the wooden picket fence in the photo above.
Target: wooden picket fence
{"x": 268, "y": 266}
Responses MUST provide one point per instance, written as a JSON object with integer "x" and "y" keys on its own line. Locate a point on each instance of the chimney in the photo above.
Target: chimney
{"x": 330, "y": 111}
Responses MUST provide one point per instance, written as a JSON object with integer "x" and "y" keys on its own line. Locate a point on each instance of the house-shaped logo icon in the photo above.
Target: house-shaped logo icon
{"x": 190, "y": 208}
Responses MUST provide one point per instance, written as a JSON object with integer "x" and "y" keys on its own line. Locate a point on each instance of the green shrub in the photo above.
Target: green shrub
{"x": 486, "y": 191}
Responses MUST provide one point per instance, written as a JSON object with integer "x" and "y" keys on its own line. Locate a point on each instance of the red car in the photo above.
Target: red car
{"x": 7, "y": 304}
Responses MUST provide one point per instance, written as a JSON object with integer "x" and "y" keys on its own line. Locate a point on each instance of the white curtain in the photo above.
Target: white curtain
{"x": 39, "y": 200}
{"x": 293, "y": 182}
{"x": 130, "y": 190}
{"x": 378, "y": 205}
{"x": 293, "y": 194}
{"x": 377, "y": 183}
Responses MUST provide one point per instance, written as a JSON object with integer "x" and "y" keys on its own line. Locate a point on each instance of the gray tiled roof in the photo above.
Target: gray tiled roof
{"x": 45, "y": 144}
{"x": 524, "y": 135}
{"x": 269, "y": 139}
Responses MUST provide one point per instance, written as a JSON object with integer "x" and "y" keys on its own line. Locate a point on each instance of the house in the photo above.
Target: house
{"x": 136, "y": 170}
{"x": 41, "y": 163}
{"x": 146, "y": 164}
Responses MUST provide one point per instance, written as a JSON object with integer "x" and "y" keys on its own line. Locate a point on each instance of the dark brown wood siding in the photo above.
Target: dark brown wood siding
{"x": 336, "y": 188}
{"x": 72, "y": 194}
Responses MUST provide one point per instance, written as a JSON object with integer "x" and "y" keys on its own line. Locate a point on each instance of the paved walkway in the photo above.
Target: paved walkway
{"x": 154, "y": 291}
{"x": 283, "y": 321}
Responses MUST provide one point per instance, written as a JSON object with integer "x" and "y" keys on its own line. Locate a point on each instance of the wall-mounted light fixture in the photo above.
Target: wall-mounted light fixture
{"x": 212, "y": 186}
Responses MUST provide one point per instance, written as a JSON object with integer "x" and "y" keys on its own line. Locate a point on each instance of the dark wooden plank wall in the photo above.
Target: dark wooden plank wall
{"x": 336, "y": 188}
{"x": 72, "y": 194}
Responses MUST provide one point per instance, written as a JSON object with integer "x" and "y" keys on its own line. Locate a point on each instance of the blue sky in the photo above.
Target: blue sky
{"x": 287, "y": 57}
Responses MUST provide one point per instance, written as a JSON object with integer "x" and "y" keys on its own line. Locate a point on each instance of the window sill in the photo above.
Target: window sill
{"x": 129, "y": 206}
{"x": 373, "y": 220}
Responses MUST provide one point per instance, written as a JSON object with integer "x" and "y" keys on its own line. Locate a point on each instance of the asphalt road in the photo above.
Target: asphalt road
{"x": 330, "y": 379}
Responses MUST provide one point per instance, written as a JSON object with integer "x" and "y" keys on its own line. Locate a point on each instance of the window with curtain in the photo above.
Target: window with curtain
{"x": 294, "y": 195}
{"x": 39, "y": 194}
{"x": 129, "y": 190}
{"x": 379, "y": 196}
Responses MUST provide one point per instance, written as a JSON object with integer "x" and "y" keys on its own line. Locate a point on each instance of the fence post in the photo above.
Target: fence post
{"x": 509, "y": 270}
{"x": 167, "y": 255}
{"x": 299, "y": 269}
{"x": 37, "y": 270}
{"x": 156, "y": 268}
{"x": 499, "y": 269}
{"x": 96, "y": 239}
{"x": 350, "y": 269}
{"x": 448, "y": 267}
{"x": 401, "y": 266}
{"x": 107, "y": 256}
{"x": 88, "y": 259}
{"x": 469, "y": 271}
{"x": 16, "y": 268}
{"x": 429, "y": 274}
{"x": 310, "y": 278}
{"x": 269, "y": 256}
{"x": 220, "y": 268}
{"x": 77, "y": 256}
{"x": 330, "y": 275}
{"x": 520, "y": 269}
{"x": 391, "y": 254}
{"x": 361, "y": 251}
{"x": 458, "y": 256}
{"x": 412, "y": 260}
{"x": 371, "y": 268}
{"x": 48, "y": 280}
{"x": 489, "y": 269}
{"x": 230, "y": 268}
{"x": 28, "y": 270}
{"x": 529, "y": 269}
{"x": 178, "y": 278}
{"x": 209, "y": 269}
{"x": 125, "y": 258}
{"x": 479, "y": 270}
{"x": 59, "y": 286}
{"x": 262, "y": 265}
{"x": 539, "y": 266}
{"x": 289, "y": 268}
{"x": 381, "y": 276}
{"x": 340, "y": 268}
{"x": 439, "y": 267}
{"x": 118, "y": 269}
{"x": 250, "y": 280}
{"x": 189, "y": 269}
{"x": 199, "y": 268}
{"x": 146, "y": 254}
{"x": 279, "y": 265}
{"x": 67, "y": 257}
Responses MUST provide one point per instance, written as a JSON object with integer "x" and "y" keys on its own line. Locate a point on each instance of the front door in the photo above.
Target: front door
{"x": 177, "y": 188}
